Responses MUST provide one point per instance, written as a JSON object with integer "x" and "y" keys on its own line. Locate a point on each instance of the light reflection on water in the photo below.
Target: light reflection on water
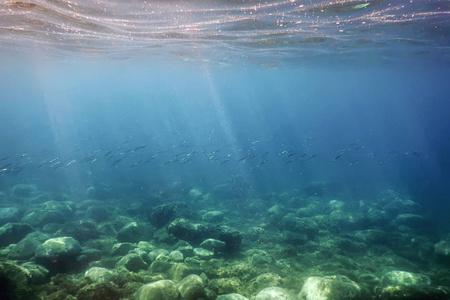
{"x": 226, "y": 30}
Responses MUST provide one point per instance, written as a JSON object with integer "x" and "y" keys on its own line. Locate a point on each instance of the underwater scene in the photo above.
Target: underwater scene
{"x": 229, "y": 150}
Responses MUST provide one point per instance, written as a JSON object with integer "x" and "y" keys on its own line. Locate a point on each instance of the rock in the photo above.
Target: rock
{"x": 405, "y": 285}
{"x": 163, "y": 214}
{"x": 275, "y": 214}
{"x": 121, "y": 249}
{"x": 12, "y": 233}
{"x": 161, "y": 265}
{"x": 9, "y": 214}
{"x": 185, "y": 248}
{"x": 178, "y": 271}
{"x": 203, "y": 253}
{"x": 411, "y": 221}
{"x": 306, "y": 226}
{"x": 82, "y": 231}
{"x": 387, "y": 196}
{"x": 232, "y": 296}
{"x": 295, "y": 238}
{"x": 133, "y": 233}
{"x": 225, "y": 285}
{"x": 58, "y": 254}
{"x": 191, "y": 287}
{"x": 275, "y": 293}
{"x": 214, "y": 216}
{"x": 132, "y": 262}
{"x": 240, "y": 270}
{"x": 37, "y": 274}
{"x": 262, "y": 281}
{"x": 231, "y": 237}
{"x": 97, "y": 213}
{"x": 91, "y": 254}
{"x": 401, "y": 206}
{"x": 15, "y": 282}
{"x": 350, "y": 246}
{"x": 188, "y": 231}
{"x": 98, "y": 192}
{"x": 402, "y": 278}
{"x": 153, "y": 255}
{"x": 99, "y": 275}
{"x": 161, "y": 290}
{"x": 25, "y": 191}
{"x": 41, "y": 217}
{"x": 64, "y": 208}
{"x": 146, "y": 246}
{"x": 371, "y": 236}
{"x": 336, "y": 205}
{"x": 209, "y": 295}
{"x": 195, "y": 194}
{"x": 259, "y": 260}
{"x": 100, "y": 291}
{"x": 52, "y": 227}
{"x": 26, "y": 248}
{"x": 176, "y": 256}
{"x": 214, "y": 245}
{"x": 255, "y": 233}
{"x": 330, "y": 288}
{"x": 342, "y": 220}
{"x": 442, "y": 250}
{"x": 376, "y": 217}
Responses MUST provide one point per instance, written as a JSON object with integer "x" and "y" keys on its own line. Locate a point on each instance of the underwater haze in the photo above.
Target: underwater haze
{"x": 306, "y": 126}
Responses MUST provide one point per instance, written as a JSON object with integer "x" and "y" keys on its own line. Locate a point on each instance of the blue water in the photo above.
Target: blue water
{"x": 262, "y": 97}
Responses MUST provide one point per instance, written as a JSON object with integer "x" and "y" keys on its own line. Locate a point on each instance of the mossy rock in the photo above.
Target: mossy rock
{"x": 14, "y": 284}
{"x": 101, "y": 291}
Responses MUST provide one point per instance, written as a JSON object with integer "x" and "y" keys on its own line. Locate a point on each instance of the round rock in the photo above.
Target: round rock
{"x": 161, "y": 290}
{"x": 12, "y": 233}
{"x": 176, "y": 256}
{"x": 132, "y": 262}
{"x": 214, "y": 245}
{"x": 232, "y": 296}
{"x": 214, "y": 216}
{"x": 330, "y": 287}
{"x": 98, "y": 275}
{"x": 9, "y": 214}
{"x": 191, "y": 287}
{"x": 203, "y": 253}
{"x": 275, "y": 293}
{"x": 56, "y": 248}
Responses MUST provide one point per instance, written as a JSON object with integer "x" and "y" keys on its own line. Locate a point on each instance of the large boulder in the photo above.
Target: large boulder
{"x": 58, "y": 254}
